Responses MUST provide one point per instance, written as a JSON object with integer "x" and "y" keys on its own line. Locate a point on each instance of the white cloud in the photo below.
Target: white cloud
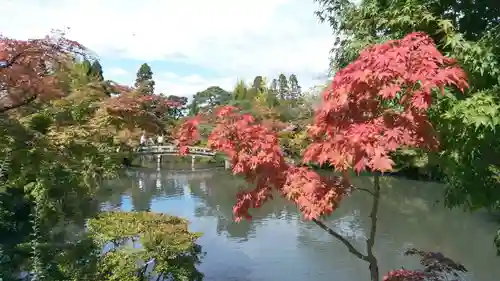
{"x": 117, "y": 71}
{"x": 182, "y": 87}
{"x": 236, "y": 38}
{"x": 171, "y": 83}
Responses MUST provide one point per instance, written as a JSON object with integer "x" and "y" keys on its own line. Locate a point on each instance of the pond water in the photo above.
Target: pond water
{"x": 278, "y": 245}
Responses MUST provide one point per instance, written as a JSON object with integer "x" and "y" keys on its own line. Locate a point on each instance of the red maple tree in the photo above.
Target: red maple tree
{"x": 26, "y": 68}
{"x": 139, "y": 110}
{"x": 28, "y": 72}
{"x": 374, "y": 106}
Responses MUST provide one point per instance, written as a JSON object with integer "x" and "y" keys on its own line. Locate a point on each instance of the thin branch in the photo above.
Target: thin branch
{"x": 6, "y": 64}
{"x": 19, "y": 104}
{"x": 365, "y": 190}
{"x": 344, "y": 241}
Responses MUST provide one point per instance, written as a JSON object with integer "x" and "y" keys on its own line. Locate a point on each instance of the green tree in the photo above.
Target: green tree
{"x": 272, "y": 93}
{"x": 211, "y": 97}
{"x": 283, "y": 87}
{"x": 274, "y": 85}
{"x": 87, "y": 66}
{"x": 295, "y": 89}
{"x": 258, "y": 83}
{"x": 258, "y": 89}
{"x": 96, "y": 70}
{"x": 240, "y": 91}
{"x": 165, "y": 240}
{"x": 144, "y": 81}
{"x": 193, "y": 107}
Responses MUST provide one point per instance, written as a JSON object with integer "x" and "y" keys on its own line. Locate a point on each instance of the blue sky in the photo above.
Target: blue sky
{"x": 190, "y": 45}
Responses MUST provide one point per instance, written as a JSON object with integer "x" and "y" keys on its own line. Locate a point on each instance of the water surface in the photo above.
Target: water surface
{"x": 278, "y": 245}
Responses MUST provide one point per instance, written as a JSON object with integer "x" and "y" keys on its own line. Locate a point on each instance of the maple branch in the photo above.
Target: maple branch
{"x": 19, "y": 104}
{"x": 9, "y": 63}
{"x": 365, "y": 190}
{"x": 344, "y": 241}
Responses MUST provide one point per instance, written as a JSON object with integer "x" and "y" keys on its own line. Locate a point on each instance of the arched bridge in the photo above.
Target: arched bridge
{"x": 194, "y": 151}
{"x": 173, "y": 150}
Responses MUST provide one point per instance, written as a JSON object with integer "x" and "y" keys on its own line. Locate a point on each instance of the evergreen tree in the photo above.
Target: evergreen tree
{"x": 240, "y": 91}
{"x": 283, "y": 87}
{"x": 274, "y": 85}
{"x": 273, "y": 99}
{"x": 258, "y": 83}
{"x": 144, "y": 81}
{"x": 194, "y": 109}
{"x": 87, "y": 66}
{"x": 96, "y": 70}
{"x": 295, "y": 89}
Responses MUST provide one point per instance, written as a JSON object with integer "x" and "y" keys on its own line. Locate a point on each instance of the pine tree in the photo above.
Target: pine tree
{"x": 240, "y": 91}
{"x": 274, "y": 85}
{"x": 87, "y": 66}
{"x": 295, "y": 89}
{"x": 144, "y": 81}
{"x": 258, "y": 82}
{"x": 96, "y": 70}
{"x": 283, "y": 87}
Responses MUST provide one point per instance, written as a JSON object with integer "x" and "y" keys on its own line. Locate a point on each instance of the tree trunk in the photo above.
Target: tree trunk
{"x": 370, "y": 242}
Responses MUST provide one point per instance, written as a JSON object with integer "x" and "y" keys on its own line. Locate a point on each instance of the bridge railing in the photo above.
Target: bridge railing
{"x": 170, "y": 149}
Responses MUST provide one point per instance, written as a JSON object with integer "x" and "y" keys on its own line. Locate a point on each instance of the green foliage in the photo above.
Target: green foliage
{"x": 163, "y": 239}
{"x": 471, "y": 159}
{"x": 144, "y": 81}
{"x": 282, "y": 86}
{"x": 240, "y": 91}
{"x": 127, "y": 238}
{"x": 53, "y": 157}
{"x": 210, "y": 98}
{"x": 96, "y": 70}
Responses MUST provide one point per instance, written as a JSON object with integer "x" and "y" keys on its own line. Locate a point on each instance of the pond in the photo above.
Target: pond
{"x": 278, "y": 245}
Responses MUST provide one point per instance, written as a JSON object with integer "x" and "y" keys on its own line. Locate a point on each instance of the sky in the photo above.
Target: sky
{"x": 190, "y": 45}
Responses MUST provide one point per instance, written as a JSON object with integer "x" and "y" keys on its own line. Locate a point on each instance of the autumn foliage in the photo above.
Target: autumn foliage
{"x": 138, "y": 110}
{"x": 378, "y": 104}
{"x": 374, "y": 106}
{"x": 255, "y": 153}
{"x": 26, "y": 65}
{"x": 138, "y": 104}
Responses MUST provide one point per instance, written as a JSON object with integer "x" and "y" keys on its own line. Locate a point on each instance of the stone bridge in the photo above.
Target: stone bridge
{"x": 173, "y": 150}
{"x": 194, "y": 151}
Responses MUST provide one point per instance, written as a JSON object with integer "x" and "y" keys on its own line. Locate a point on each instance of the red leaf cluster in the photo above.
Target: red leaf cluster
{"x": 255, "y": 153}
{"x": 26, "y": 66}
{"x": 137, "y": 104}
{"x": 355, "y": 126}
{"x": 405, "y": 275}
{"x": 139, "y": 110}
{"x": 378, "y": 104}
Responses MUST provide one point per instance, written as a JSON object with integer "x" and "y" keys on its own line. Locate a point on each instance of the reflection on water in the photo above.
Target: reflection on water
{"x": 278, "y": 245}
